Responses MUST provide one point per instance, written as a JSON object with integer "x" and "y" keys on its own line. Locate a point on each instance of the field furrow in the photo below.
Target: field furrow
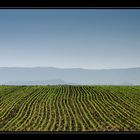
{"x": 69, "y": 108}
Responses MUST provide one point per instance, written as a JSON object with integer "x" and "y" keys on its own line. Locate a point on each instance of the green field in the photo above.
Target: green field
{"x": 69, "y": 108}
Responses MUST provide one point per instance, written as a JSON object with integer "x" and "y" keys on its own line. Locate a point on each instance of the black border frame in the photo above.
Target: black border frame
{"x": 69, "y": 4}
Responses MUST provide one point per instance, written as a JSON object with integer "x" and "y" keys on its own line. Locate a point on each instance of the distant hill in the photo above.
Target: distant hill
{"x": 50, "y": 75}
{"x": 35, "y": 82}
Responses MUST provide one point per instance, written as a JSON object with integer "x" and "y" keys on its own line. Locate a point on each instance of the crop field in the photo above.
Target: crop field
{"x": 69, "y": 108}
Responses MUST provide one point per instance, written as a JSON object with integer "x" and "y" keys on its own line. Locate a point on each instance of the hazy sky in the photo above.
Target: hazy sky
{"x": 83, "y": 38}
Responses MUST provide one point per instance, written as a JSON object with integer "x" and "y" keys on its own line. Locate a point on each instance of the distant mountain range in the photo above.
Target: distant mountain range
{"x": 35, "y": 82}
{"x": 56, "y": 76}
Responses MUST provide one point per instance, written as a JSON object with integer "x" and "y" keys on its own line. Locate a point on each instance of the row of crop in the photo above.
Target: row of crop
{"x": 92, "y": 122}
{"x": 78, "y": 122}
{"x": 70, "y": 111}
{"x": 56, "y": 108}
{"x": 52, "y": 113}
{"x": 119, "y": 111}
{"x": 22, "y": 112}
{"x": 45, "y": 119}
{"x": 64, "y": 100}
{"x": 69, "y": 108}
{"x": 94, "y": 108}
{"x": 62, "y": 120}
{"x": 116, "y": 109}
{"x": 11, "y": 102}
{"x": 131, "y": 97}
{"x": 32, "y": 121}
{"x": 33, "y": 109}
{"x": 107, "y": 118}
{"x": 40, "y": 114}
{"x": 120, "y": 98}
{"x": 7, "y": 96}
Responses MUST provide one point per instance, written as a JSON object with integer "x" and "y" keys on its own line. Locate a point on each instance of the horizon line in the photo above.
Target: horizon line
{"x": 66, "y": 67}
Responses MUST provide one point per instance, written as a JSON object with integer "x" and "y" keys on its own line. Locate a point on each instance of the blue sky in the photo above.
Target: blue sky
{"x": 84, "y": 38}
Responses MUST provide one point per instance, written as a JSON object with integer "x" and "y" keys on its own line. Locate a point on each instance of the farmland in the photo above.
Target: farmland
{"x": 69, "y": 108}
